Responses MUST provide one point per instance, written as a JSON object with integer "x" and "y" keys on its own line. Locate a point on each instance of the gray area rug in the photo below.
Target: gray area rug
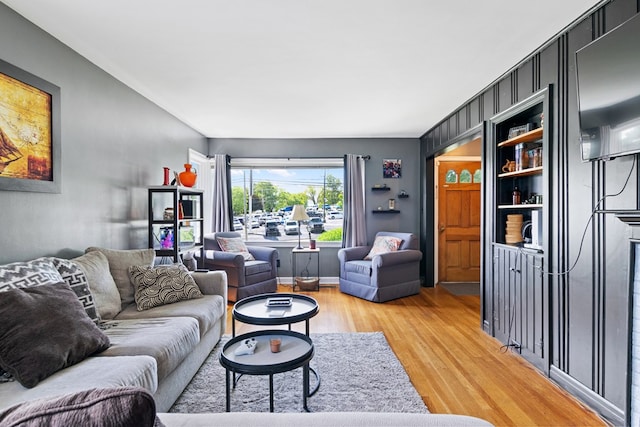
{"x": 358, "y": 371}
{"x": 462, "y": 288}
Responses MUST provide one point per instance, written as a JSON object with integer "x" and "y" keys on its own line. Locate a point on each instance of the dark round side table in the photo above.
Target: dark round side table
{"x": 296, "y": 350}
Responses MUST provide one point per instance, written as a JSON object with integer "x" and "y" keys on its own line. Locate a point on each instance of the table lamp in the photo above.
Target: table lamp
{"x": 299, "y": 214}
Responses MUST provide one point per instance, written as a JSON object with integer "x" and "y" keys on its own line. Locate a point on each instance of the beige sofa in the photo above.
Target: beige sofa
{"x": 158, "y": 349}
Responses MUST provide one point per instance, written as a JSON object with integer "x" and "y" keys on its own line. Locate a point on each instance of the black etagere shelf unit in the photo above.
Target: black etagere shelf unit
{"x": 175, "y": 220}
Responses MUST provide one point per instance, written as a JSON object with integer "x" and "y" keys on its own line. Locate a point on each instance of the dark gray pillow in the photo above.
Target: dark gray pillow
{"x": 44, "y": 329}
{"x": 121, "y": 406}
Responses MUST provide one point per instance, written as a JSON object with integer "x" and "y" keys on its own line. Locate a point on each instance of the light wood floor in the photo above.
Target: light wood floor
{"x": 453, "y": 364}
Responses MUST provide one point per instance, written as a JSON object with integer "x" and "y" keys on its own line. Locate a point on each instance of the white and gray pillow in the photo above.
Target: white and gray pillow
{"x": 162, "y": 285}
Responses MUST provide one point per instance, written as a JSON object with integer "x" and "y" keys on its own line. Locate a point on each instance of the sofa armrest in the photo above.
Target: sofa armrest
{"x": 397, "y": 257}
{"x": 354, "y": 253}
{"x": 212, "y": 282}
{"x": 263, "y": 253}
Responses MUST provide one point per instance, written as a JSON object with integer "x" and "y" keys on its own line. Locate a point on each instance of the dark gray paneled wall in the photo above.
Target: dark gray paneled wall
{"x": 406, "y": 149}
{"x": 590, "y": 304}
{"x": 114, "y": 144}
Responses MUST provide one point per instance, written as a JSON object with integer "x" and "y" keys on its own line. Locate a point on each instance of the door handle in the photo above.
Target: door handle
{"x": 441, "y": 228}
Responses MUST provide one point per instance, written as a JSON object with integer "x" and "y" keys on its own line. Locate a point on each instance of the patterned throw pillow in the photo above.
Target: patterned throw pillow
{"x": 36, "y": 272}
{"x": 384, "y": 244}
{"x": 235, "y": 245}
{"x": 162, "y": 285}
{"x": 75, "y": 277}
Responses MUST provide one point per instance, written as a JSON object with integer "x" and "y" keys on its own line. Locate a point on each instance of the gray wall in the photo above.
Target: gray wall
{"x": 406, "y": 149}
{"x": 114, "y": 145}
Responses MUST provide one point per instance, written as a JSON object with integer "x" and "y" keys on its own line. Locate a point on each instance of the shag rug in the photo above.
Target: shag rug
{"x": 358, "y": 372}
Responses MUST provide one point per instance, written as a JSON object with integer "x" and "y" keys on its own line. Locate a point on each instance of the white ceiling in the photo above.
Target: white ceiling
{"x": 305, "y": 68}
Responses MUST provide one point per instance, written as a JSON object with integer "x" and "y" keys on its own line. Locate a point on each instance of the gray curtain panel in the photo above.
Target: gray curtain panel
{"x": 221, "y": 208}
{"x": 354, "y": 222}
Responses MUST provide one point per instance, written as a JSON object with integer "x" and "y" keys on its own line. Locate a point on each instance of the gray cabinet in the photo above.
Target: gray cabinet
{"x": 519, "y": 303}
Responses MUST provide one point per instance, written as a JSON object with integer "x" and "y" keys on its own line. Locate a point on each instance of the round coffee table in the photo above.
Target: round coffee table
{"x": 254, "y": 311}
{"x": 296, "y": 350}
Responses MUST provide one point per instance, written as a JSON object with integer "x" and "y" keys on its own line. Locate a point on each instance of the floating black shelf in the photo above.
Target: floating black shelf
{"x": 403, "y": 196}
{"x": 385, "y": 211}
{"x": 380, "y": 188}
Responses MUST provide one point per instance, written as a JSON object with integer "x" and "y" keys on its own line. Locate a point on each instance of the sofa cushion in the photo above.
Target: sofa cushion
{"x": 36, "y": 272}
{"x": 256, "y": 267}
{"x": 167, "y": 339}
{"x": 105, "y": 293}
{"x": 119, "y": 263}
{"x": 161, "y": 285}
{"x": 44, "y": 329}
{"x": 235, "y": 245}
{"x": 123, "y": 407}
{"x": 75, "y": 277}
{"x": 206, "y": 310}
{"x": 384, "y": 244}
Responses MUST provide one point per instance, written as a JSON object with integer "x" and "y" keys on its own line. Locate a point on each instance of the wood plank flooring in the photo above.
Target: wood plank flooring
{"x": 452, "y": 363}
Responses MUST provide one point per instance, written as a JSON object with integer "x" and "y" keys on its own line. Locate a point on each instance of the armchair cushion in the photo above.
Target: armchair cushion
{"x": 235, "y": 245}
{"x": 384, "y": 244}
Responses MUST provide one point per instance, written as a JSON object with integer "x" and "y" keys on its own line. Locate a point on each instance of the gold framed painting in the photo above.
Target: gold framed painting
{"x": 29, "y": 132}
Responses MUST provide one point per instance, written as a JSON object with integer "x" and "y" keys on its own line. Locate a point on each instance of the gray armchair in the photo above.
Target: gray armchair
{"x": 385, "y": 277}
{"x": 245, "y": 278}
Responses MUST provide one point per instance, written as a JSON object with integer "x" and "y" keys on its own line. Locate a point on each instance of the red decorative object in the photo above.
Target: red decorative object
{"x": 166, "y": 176}
{"x": 188, "y": 178}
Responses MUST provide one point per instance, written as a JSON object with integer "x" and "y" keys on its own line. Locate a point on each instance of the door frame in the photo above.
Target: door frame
{"x": 439, "y": 160}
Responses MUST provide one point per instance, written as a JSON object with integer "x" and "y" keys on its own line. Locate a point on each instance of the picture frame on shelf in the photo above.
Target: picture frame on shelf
{"x": 519, "y": 130}
{"x": 30, "y": 151}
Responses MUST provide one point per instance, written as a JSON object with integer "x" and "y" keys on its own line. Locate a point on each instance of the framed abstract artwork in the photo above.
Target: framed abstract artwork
{"x": 29, "y": 132}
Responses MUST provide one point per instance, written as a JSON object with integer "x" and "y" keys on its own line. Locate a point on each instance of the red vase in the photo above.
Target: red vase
{"x": 188, "y": 178}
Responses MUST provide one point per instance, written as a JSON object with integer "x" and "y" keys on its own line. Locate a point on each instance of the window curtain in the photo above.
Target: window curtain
{"x": 354, "y": 222}
{"x": 222, "y": 213}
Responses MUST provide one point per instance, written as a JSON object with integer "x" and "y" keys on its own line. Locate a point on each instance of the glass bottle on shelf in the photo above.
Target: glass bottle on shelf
{"x": 516, "y": 196}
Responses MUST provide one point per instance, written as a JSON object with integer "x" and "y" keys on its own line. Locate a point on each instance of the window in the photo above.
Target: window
{"x": 264, "y": 191}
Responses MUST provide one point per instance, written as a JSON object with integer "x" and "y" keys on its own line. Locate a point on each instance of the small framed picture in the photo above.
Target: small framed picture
{"x": 392, "y": 168}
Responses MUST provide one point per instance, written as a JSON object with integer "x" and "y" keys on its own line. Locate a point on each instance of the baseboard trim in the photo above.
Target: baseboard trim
{"x": 606, "y": 409}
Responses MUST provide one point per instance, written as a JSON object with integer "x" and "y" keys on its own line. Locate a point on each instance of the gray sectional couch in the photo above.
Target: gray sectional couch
{"x": 158, "y": 349}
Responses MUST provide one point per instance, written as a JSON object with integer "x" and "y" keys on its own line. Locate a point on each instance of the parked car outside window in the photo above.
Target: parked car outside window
{"x": 335, "y": 215}
{"x": 291, "y": 227}
{"x": 315, "y": 225}
{"x": 237, "y": 225}
{"x": 271, "y": 228}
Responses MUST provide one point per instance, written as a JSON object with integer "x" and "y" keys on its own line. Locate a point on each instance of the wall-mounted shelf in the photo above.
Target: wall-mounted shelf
{"x": 523, "y": 172}
{"x": 385, "y": 211}
{"x": 531, "y": 136}
{"x": 380, "y": 188}
{"x": 522, "y": 206}
{"x": 403, "y": 196}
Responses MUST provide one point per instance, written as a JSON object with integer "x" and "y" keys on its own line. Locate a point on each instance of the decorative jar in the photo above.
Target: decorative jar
{"x": 188, "y": 177}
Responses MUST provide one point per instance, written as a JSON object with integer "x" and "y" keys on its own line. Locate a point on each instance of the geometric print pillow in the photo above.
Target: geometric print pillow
{"x": 77, "y": 280}
{"x": 384, "y": 244}
{"x": 36, "y": 272}
{"x": 235, "y": 245}
{"x": 155, "y": 286}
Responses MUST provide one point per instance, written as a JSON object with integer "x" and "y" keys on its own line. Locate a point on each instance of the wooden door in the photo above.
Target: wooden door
{"x": 459, "y": 222}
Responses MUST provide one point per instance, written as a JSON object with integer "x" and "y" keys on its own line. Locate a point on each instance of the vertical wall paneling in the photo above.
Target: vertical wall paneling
{"x": 588, "y": 305}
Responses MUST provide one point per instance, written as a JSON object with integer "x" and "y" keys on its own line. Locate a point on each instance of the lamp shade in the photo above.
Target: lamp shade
{"x": 299, "y": 213}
